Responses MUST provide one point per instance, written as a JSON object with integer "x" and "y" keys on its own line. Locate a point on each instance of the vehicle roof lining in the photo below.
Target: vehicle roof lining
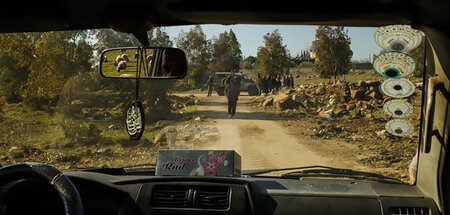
{"x": 74, "y": 15}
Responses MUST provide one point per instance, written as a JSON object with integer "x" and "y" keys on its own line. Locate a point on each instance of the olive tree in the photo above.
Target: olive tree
{"x": 332, "y": 50}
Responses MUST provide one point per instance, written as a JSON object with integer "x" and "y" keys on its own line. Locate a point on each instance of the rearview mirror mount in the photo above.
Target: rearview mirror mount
{"x": 143, "y": 63}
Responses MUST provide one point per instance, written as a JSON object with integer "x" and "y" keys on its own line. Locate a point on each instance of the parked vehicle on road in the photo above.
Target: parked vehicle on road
{"x": 247, "y": 85}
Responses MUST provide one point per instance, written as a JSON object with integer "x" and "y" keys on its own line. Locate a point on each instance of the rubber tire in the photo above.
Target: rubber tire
{"x": 220, "y": 91}
{"x": 252, "y": 91}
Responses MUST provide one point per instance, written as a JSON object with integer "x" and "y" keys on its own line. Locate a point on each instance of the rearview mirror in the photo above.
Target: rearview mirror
{"x": 143, "y": 63}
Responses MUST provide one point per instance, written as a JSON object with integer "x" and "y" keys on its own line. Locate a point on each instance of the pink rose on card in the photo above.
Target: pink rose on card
{"x": 215, "y": 161}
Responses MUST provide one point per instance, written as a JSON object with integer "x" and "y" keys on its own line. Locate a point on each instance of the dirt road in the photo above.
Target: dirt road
{"x": 260, "y": 140}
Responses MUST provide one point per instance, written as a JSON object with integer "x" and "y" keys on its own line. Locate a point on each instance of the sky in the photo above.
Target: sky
{"x": 296, "y": 37}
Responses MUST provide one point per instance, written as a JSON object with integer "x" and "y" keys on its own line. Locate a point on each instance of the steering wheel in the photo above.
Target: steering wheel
{"x": 66, "y": 189}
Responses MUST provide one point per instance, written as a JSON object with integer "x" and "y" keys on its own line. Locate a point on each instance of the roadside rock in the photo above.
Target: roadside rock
{"x": 339, "y": 111}
{"x": 327, "y": 115}
{"x": 283, "y": 101}
{"x": 160, "y": 137}
{"x": 355, "y": 114}
{"x": 351, "y": 106}
{"x": 356, "y": 94}
{"x": 320, "y": 90}
{"x": 77, "y": 103}
{"x": 268, "y": 102}
{"x": 362, "y": 84}
{"x": 190, "y": 102}
{"x": 300, "y": 97}
{"x": 289, "y": 112}
{"x": 198, "y": 119}
{"x": 374, "y": 84}
{"x": 381, "y": 134}
{"x": 162, "y": 123}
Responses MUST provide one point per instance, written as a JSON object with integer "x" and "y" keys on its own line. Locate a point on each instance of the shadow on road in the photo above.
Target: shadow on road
{"x": 242, "y": 111}
{"x": 213, "y": 114}
{"x": 214, "y": 103}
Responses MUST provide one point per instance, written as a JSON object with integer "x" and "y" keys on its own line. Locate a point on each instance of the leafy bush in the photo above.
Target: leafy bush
{"x": 79, "y": 87}
{"x": 12, "y": 76}
{"x": 76, "y": 129}
{"x": 38, "y": 98}
{"x": 306, "y": 64}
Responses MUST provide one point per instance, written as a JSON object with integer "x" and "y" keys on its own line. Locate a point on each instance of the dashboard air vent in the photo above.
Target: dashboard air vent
{"x": 410, "y": 211}
{"x": 170, "y": 196}
{"x": 211, "y": 197}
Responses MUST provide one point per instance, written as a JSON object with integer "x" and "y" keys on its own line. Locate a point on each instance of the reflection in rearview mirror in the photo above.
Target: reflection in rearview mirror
{"x": 145, "y": 63}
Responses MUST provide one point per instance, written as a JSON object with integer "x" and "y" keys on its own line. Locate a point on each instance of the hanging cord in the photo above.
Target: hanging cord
{"x": 139, "y": 65}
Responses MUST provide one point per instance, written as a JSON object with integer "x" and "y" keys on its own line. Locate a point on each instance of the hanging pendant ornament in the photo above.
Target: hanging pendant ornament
{"x": 399, "y": 127}
{"x": 397, "y": 88}
{"x": 135, "y": 120}
{"x": 398, "y": 108}
{"x": 398, "y": 38}
{"x": 394, "y": 65}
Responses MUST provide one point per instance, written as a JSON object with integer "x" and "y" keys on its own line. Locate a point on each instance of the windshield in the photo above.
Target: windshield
{"x": 312, "y": 97}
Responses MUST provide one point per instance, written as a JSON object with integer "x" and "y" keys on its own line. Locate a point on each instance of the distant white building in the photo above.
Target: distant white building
{"x": 312, "y": 54}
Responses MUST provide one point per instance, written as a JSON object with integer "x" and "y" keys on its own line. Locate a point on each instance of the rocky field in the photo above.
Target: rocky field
{"x": 349, "y": 120}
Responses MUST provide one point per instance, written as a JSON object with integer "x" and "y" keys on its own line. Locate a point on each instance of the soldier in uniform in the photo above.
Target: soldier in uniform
{"x": 260, "y": 84}
{"x": 210, "y": 84}
{"x": 232, "y": 91}
{"x": 291, "y": 81}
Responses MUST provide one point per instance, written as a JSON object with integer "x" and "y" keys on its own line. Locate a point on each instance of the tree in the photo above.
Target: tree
{"x": 160, "y": 38}
{"x": 249, "y": 62}
{"x": 108, "y": 38}
{"x": 16, "y": 54}
{"x": 12, "y": 76}
{"x": 42, "y": 62}
{"x": 227, "y": 54}
{"x": 333, "y": 53}
{"x": 273, "y": 57}
{"x": 59, "y": 55}
{"x": 198, "y": 54}
{"x": 418, "y": 55}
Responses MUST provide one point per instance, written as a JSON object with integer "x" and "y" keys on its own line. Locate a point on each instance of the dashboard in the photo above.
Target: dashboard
{"x": 141, "y": 194}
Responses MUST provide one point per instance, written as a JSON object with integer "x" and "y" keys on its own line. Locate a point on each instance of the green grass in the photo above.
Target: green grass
{"x": 108, "y": 68}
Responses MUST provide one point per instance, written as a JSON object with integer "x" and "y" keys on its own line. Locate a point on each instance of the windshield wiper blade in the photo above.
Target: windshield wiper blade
{"x": 133, "y": 169}
{"x": 340, "y": 173}
{"x": 325, "y": 171}
{"x": 144, "y": 165}
{"x": 264, "y": 171}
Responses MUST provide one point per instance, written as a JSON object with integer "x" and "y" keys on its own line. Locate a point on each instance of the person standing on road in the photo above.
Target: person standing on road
{"x": 291, "y": 80}
{"x": 232, "y": 91}
{"x": 210, "y": 84}
{"x": 259, "y": 84}
{"x": 287, "y": 81}
{"x": 265, "y": 85}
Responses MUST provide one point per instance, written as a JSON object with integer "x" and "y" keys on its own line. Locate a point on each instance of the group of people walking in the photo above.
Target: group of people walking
{"x": 267, "y": 83}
